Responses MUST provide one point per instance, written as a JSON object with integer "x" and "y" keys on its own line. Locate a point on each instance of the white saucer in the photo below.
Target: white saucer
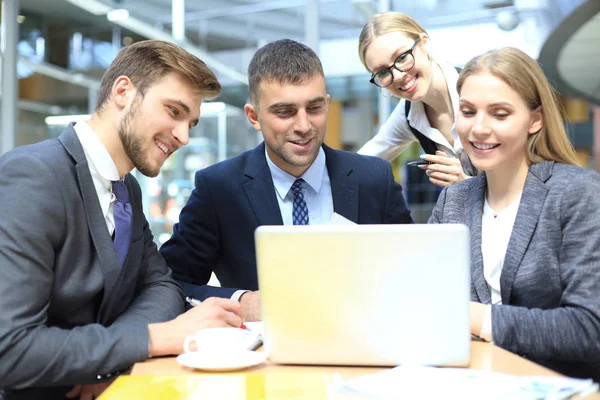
{"x": 221, "y": 361}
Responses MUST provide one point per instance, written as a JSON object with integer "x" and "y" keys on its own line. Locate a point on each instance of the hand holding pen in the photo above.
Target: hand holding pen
{"x": 195, "y": 302}
{"x": 443, "y": 169}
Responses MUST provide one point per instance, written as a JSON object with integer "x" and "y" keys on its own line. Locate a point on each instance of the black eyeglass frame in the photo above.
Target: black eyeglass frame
{"x": 410, "y": 51}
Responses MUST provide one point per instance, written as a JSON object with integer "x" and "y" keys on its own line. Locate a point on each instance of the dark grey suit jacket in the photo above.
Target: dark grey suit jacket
{"x": 68, "y": 310}
{"x": 550, "y": 281}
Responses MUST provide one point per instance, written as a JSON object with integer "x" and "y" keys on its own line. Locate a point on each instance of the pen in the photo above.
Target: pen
{"x": 418, "y": 162}
{"x": 476, "y": 338}
{"x": 195, "y": 302}
{"x": 192, "y": 301}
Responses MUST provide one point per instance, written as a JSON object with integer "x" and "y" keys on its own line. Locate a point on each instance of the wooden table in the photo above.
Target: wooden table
{"x": 164, "y": 378}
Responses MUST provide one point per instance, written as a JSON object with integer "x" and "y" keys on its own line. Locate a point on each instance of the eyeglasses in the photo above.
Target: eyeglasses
{"x": 403, "y": 63}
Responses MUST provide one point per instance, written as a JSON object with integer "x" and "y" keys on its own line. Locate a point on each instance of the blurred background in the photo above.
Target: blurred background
{"x": 54, "y": 53}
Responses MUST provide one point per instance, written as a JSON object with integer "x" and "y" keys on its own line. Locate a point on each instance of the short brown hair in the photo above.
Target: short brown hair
{"x": 284, "y": 61}
{"x": 148, "y": 61}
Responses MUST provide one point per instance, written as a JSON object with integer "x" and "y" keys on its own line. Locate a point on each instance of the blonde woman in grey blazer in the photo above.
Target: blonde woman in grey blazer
{"x": 533, "y": 215}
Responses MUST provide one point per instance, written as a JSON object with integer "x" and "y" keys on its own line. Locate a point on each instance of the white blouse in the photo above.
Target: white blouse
{"x": 395, "y": 135}
{"x": 496, "y": 229}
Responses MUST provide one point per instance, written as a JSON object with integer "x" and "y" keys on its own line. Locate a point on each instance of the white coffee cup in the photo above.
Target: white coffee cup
{"x": 218, "y": 339}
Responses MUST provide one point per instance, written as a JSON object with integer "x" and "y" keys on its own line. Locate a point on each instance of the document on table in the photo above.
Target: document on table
{"x": 337, "y": 219}
{"x": 429, "y": 382}
{"x": 258, "y": 329}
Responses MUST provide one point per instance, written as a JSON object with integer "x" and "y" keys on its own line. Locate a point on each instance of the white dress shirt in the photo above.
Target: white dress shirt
{"x": 496, "y": 228}
{"x": 316, "y": 189}
{"x": 395, "y": 135}
{"x": 317, "y": 194}
{"x": 103, "y": 171}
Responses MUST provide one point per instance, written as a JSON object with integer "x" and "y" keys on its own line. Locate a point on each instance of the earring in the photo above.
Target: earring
{"x": 430, "y": 58}
{"x": 383, "y": 92}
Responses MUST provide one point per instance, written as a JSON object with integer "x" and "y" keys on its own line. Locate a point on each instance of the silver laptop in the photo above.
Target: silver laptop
{"x": 365, "y": 294}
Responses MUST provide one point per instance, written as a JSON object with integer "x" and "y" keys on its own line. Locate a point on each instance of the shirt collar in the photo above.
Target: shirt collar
{"x": 96, "y": 151}
{"x": 451, "y": 75}
{"x": 418, "y": 117}
{"x": 283, "y": 181}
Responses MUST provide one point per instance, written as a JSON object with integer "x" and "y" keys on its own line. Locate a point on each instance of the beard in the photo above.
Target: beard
{"x": 296, "y": 160}
{"x": 133, "y": 142}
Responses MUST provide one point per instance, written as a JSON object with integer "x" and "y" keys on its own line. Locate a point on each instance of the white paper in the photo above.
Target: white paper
{"x": 408, "y": 382}
{"x": 337, "y": 219}
{"x": 256, "y": 327}
{"x": 258, "y": 330}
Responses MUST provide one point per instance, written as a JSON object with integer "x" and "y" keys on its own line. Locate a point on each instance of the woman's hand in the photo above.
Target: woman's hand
{"x": 445, "y": 170}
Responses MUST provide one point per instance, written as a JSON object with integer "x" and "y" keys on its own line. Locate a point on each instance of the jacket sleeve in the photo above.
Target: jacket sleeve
{"x": 393, "y": 137}
{"x": 194, "y": 249}
{"x": 397, "y": 211}
{"x": 571, "y": 331}
{"x": 33, "y": 216}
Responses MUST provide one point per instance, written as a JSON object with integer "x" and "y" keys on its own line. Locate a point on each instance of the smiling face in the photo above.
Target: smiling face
{"x": 383, "y": 52}
{"x": 157, "y": 124}
{"x": 494, "y": 123}
{"x": 293, "y": 121}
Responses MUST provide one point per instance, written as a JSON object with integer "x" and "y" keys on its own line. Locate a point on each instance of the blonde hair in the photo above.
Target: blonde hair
{"x": 384, "y": 23}
{"x": 148, "y": 61}
{"x": 524, "y": 75}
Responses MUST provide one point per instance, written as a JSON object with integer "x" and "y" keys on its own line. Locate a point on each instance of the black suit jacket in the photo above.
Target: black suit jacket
{"x": 68, "y": 310}
{"x": 232, "y": 198}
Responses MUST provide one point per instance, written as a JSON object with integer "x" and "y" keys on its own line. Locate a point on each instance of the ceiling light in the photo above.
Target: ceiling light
{"x": 212, "y": 108}
{"x": 66, "y": 119}
{"x": 508, "y": 20}
{"x": 119, "y": 14}
{"x": 92, "y": 6}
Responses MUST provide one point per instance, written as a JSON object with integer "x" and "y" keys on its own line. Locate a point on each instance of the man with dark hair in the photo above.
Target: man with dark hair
{"x": 291, "y": 178}
{"x": 84, "y": 293}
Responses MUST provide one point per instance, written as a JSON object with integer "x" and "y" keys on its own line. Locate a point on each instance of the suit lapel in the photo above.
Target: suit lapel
{"x": 534, "y": 194}
{"x": 260, "y": 190}
{"x": 344, "y": 189}
{"x": 96, "y": 223}
{"x": 474, "y": 209}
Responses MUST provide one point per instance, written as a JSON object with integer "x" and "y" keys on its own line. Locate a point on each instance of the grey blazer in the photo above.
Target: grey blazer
{"x": 68, "y": 310}
{"x": 550, "y": 281}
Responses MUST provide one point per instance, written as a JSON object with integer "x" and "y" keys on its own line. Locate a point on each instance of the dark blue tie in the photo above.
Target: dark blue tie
{"x": 123, "y": 220}
{"x": 300, "y": 210}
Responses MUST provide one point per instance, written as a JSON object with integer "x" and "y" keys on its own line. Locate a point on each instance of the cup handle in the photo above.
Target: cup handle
{"x": 188, "y": 341}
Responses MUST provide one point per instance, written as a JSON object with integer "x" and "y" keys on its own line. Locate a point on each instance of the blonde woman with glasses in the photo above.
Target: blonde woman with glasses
{"x": 396, "y": 50}
{"x": 533, "y": 215}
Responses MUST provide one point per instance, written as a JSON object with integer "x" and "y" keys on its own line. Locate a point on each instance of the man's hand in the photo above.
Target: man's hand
{"x": 444, "y": 171}
{"x": 88, "y": 392}
{"x": 167, "y": 337}
{"x": 250, "y": 302}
